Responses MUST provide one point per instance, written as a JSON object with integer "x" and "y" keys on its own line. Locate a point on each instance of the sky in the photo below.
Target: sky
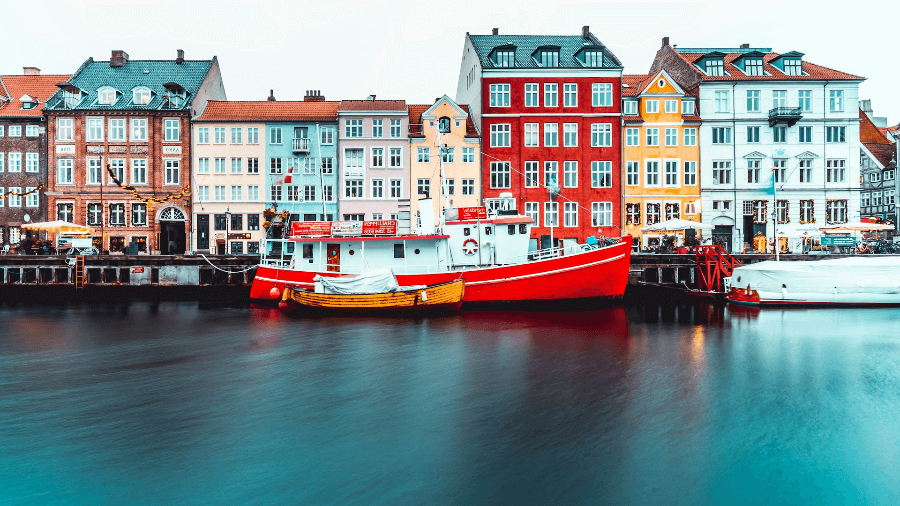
{"x": 412, "y": 50}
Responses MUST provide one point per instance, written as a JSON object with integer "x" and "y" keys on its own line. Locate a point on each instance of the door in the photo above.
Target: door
{"x": 203, "y": 231}
{"x": 334, "y": 258}
{"x": 722, "y": 236}
{"x": 748, "y": 232}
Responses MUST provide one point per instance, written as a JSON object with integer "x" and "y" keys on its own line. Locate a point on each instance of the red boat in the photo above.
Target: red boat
{"x": 490, "y": 251}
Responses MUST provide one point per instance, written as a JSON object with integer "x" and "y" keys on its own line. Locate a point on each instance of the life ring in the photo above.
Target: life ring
{"x": 470, "y": 249}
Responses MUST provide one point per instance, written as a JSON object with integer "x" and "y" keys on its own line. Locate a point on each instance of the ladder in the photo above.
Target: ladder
{"x": 79, "y": 271}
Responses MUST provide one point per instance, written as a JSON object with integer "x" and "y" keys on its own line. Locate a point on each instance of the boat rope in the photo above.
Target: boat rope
{"x": 223, "y": 270}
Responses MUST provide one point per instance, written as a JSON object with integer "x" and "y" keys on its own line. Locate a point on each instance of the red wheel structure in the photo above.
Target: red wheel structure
{"x": 714, "y": 264}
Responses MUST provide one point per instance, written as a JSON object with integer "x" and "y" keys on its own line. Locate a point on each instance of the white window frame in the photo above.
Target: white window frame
{"x": 138, "y": 131}
{"x": 551, "y": 94}
{"x": 601, "y": 95}
{"x": 601, "y": 172}
{"x": 172, "y": 130}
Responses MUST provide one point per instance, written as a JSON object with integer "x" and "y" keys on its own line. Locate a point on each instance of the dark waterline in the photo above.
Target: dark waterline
{"x": 172, "y": 403}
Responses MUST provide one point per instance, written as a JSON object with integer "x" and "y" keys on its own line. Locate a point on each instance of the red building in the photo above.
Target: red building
{"x": 549, "y": 112}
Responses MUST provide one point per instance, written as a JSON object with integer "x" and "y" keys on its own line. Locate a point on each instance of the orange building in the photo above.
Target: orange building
{"x": 661, "y": 155}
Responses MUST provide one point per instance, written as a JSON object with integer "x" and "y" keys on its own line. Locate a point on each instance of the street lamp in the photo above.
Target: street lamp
{"x": 227, "y": 220}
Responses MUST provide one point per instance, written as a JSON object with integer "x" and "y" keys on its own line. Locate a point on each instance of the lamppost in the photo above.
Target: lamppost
{"x": 227, "y": 219}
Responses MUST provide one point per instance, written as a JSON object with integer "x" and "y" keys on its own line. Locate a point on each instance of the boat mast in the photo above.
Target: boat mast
{"x": 441, "y": 202}
{"x": 775, "y": 214}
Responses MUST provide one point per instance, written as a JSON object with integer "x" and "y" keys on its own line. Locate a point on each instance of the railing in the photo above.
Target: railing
{"x": 790, "y": 115}
{"x": 301, "y": 145}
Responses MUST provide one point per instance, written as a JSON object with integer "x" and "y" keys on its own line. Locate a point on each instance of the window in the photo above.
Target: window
{"x": 500, "y": 175}
{"x": 396, "y": 187}
{"x": 671, "y": 173}
{"x": 651, "y": 106}
{"x": 64, "y": 168}
{"x": 752, "y": 134}
{"x": 237, "y": 193}
{"x": 106, "y": 96}
{"x": 353, "y": 161}
{"x": 721, "y": 135}
{"x": 423, "y": 155}
{"x": 631, "y": 136}
{"x": 220, "y": 193}
{"x": 117, "y": 215}
{"x": 836, "y": 211}
{"x": 353, "y": 188}
{"x": 15, "y": 162}
{"x": 570, "y": 214}
{"x": 806, "y": 171}
{"x": 326, "y": 135}
{"x": 836, "y": 100}
{"x": 835, "y": 171}
{"x": 724, "y": 205}
{"x": 570, "y": 174}
{"x": 140, "y": 95}
{"x": 690, "y": 173}
{"x": 807, "y": 212}
{"x": 202, "y": 134}
{"x": 237, "y": 165}
{"x": 219, "y": 222}
{"x": 864, "y": 200}
{"x": 31, "y": 162}
{"x": 889, "y": 175}
{"x": 468, "y": 155}
{"x": 671, "y": 106}
{"x": 780, "y": 134}
{"x": 274, "y": 136}
{"x": 793, "y": 67}
{"x": 532, "y": 135}
{"x": 448, "y": 154}
{"x": 633, "y": 214}
{"x": 673, "y": 211}
{"x": 836, "y": 134}
{"x": 570, "y": 134}
{"x": 449, "y": 187}
{"x": 632, "y": 173}
{"x": 715, "y": 67}
{"x": 327, "y": 165}
{"x": 237, "y": 134}
{"x": 531, "y": 174}
{"x": 173, "y": 172}
{"x": 551, "y": 214}
{"x": 753, "y": 171}
{"x": 690, "y": 136}
{"x": 876, "y": 198}
{"x": 551, "y": 95}
{"x": 687, "y": 107}
{"x": 468, "y": 187}
{"x": 117, "y": 167}
{"x": 874, "y": 177}
{"x": 722, "y": 172}
{"x": 759, "y": 210}
{"x": 139, "y": 129}
{"x": 651, "y": 172}
{"x": 601, "y": 214}
{"x": 593, "y": 58}
{"x": 499, "y": 95}
{"x": 805, "y": 133}
{"x": 779, "y": 98}
{"x": 378, "y": 158}
{"x": 1, "y": 167}
{"x": 601, "y": 94}
{"x": 64, "y": 129}
{"x": 94, "y": 214}
{"x": 505, "y": 58}
{"x": 601, "y": 174}
{"x": 753, "y": 67}
{"x": 531, "y": 95}
{"x": 531, "y": 210}
{"x": 395, "y": 128}
{"x": 31, "y": 200}
{"x": 15, "y": 131}
{"x": 203, "y": 166}
{"x": 94, "y": 129}
{"x": 630, "y": 108}
{"x": 671, "y": 137}
{"x": 653, "y": 137}
{"x": 889, "y": 197}
{"x": 779, "y": 166}
{"x": 65, "y": 212}
{"x": 551, "y": 174}
{"x": 252, "y": 135}
{"x": 500, "y": 135}
{"x": 253, "y": 193}
{"x": 423, "y": 186}
{"x": 551, "y": 134}
{"x": 377, "y": 128}
{"x": 172, "y": 128}
{"x": 377, "y": 189}
{"x": 548, "y": 58}
{"x": 805, "y": 97}
{"x": 570, "y": 95}
{"x": 219, "y": 165}
{"x": 275, "y": 166}
{"x": 721, "y": 101}
{"x": 203, "y": 193}
{"x": 601, "y": 134}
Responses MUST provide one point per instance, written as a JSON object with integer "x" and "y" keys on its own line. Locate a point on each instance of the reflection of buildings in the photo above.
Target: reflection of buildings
{"x": 877, "y": 166}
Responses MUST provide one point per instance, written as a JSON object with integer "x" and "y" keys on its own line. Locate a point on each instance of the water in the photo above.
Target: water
{"x": 177, "y": 404}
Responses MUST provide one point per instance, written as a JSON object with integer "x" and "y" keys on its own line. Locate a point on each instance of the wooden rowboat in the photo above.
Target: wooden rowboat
{"x": 442, "y": 297}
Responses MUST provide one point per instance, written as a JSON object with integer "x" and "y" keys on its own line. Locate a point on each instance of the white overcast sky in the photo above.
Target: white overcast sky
{"x": 412, "y": 49}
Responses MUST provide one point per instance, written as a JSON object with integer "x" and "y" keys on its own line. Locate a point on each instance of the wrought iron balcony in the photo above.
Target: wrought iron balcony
{"x": 301, "y": 145}
{"x": 789, "y": 115}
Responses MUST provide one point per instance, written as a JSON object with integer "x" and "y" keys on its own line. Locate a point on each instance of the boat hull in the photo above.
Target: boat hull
{"x": 445, "y": 297}
{"x": 600, "y": 273}
{"x": 753, "y": 298}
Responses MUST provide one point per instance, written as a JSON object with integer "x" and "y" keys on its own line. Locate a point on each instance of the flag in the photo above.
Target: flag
{"x": 770, "y": 184}
{"x": 289, "y": 177}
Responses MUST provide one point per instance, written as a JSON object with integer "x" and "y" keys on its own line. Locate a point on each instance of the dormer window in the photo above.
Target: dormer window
{"x": 140, "y": 95}
{"x": 106, "y": 96}
{"x": 631, "y": 108}
{"x": 687, "y": 107}
{"x": 71, "y": 98}
{"x": 715, "y": 67}
{"x": 593, "y": 58}
{"x": 793, "y": 67}
{"x": 28, "y": 102}
{"x": 753, "y": 67}
{"x": 505, "y": 58}
{"x": 548, "y": 58}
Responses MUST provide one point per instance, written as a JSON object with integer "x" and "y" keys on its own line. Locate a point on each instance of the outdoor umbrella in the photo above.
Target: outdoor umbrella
{"x": 58, "y": 226}
{"x": 676, "y": 224}
{"x": 857, "y": 225}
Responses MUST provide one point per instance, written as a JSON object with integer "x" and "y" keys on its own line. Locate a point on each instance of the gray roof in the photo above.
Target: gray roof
{"x": 526, "y": 45}
{"x": 150, "y": 73}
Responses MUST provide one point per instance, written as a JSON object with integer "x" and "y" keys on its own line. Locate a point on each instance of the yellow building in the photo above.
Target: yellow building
{"x": 661, "y": 155}
{"x": 448, "y": 125}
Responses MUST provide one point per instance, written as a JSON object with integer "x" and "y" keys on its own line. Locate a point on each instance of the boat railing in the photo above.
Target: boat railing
{"x": 407, "y": 269}
{"x": 277, "y": 255}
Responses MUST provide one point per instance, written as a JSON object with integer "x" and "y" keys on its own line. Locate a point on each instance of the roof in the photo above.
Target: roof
{"x": 264, "y": 110}
{"x": 415, "y": 120}
{"x": 883, "y": 152}
{"x": 526, "y": 45}
{"x": 632, "y": 84}
{"x": 150, "y": 73}
{"x": 869, "y": 132}
{"x": 39, "y": 87}
{"x": 814, "y": 72}
{"x": 372, "y": 105}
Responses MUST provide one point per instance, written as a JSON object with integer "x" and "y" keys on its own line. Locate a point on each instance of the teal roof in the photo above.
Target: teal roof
{"x": 150, "y": 73}
{"x": 526, "y": 45}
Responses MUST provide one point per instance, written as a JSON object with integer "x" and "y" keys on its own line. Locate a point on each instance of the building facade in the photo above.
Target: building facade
{"x": 878, "y": 170}
{"x": 128, "y": 121}
{"x": 443, "y": 142}
{"x": 779, "y": 142}
{"x": 23, "y": 151}
{"x": 549, "y": 110}
{"x": 374, "y": 158}
{"x": 661, "y": 155}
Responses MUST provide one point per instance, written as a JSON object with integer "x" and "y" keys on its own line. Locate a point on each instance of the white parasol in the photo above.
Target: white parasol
{"x": 676, "y": 224}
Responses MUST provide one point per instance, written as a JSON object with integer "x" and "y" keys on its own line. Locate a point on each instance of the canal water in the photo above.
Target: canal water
{"x": 173, "y": 403}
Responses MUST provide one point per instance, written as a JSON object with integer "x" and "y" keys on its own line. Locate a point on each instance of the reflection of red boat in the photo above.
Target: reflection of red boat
{"x": 490, "y": 252}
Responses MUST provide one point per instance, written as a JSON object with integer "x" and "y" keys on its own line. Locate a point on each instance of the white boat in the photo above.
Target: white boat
{"x": 857, "y": 281}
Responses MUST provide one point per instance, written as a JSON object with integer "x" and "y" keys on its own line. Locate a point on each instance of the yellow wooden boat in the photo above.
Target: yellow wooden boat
{"x": 442, "y": 297}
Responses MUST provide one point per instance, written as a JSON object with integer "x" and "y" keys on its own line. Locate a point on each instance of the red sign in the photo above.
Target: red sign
{"x": 311, "y": 228}
{"x": 137, "y": 270}
{"x": 380, "y": 227}
{"x": 472, "y": 213}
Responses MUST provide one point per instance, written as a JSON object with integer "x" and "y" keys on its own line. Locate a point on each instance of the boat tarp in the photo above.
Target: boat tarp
{"x": 377, "y": 281}
{"x": 841, "y": 275}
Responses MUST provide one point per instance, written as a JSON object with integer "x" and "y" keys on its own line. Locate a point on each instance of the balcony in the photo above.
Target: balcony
{"x": 301, "y": 145}
{"x": 788, "y": 115}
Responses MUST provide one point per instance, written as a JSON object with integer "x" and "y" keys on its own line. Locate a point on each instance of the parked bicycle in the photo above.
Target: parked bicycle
{"x": 878, "y": 247}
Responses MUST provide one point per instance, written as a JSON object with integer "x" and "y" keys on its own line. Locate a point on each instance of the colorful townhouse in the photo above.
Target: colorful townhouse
{"x": 119, "y": 135}
{"x": 23, "y": 151}
{"x": 779, "y": 142}
{"x": 374, "y": 158}
{"x": 443, "y": 142}
{"x": 661, "y": 161}
{"x": 877, "y": 167}
{"x": 549, "y": 109}
{"x": 229, "y": 178}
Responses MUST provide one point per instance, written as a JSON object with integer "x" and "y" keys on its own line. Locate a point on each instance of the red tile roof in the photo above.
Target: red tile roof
{"x": 869, "y": 133}
{"x": 221, "y": 110}
{"x": 415, "y": 120}
{"x": 814, "y": 72}
{"x": 634, "y": 84}
{"x": 883, "y": 152}
{"x": 373, "y": 105}
{"x": 39, "y": 87}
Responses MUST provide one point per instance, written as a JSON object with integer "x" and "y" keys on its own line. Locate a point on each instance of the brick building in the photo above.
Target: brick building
{"x": 133, "y": 117}
{"x": 23, "y": 150}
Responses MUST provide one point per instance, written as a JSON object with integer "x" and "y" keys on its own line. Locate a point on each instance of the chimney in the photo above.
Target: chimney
{"x": 118, "y": 59}
{"x": 495, "y": 31}
{"x": 586, "y": 32}
{"x": 371, "y": 97}
{"x": 271, "y": 96}
{"x": 665, "y": 41}
{"x": 31, "y": 71}
{"x": 313, "y": 96}
{"x": 180, "y": 59}
{"x": 745, "y": 46}
{"x": 866, "y": 106}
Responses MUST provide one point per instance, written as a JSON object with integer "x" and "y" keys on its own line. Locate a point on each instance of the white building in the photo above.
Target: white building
{"x": 779, "y": 142}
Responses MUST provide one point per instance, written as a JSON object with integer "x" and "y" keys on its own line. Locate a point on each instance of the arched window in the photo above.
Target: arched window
{"x": 107, "y": 95}
{"x": 171, "y": 214}
{"x": 141, "y": 95}
{"x": 444, "y": 125}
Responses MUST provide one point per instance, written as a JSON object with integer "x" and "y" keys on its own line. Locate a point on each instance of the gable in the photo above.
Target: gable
{"x": 669, "y": 86}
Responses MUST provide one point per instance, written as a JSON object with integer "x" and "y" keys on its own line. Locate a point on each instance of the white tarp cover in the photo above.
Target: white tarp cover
{"x": 873, "y": 275}
{"x": 378, "y": 281}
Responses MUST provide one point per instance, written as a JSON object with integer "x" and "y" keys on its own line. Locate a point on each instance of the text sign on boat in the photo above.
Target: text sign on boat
{"x": 346, "y": 227}
{"x": 838, "y": 240}
{"x": 379, "y": 227}
{"x": 311, "y": 228}
{"x": 472, "y": 213}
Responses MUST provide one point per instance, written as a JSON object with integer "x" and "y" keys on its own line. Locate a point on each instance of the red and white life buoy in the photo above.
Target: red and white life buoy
{"x": 470, "y": 246}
